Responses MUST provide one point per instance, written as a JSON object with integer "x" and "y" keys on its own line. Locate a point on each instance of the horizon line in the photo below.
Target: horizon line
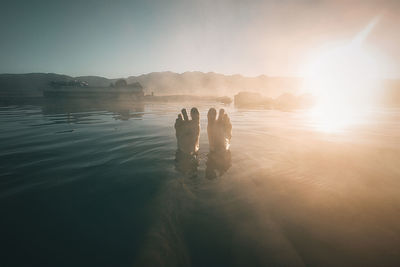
{"x": 179, "y": 73}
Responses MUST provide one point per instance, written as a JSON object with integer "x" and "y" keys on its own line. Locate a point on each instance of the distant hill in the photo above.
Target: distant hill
{"x": 170, "y": 83}
{"x": 199, "y": 83}
{"x": 160, "y": 83}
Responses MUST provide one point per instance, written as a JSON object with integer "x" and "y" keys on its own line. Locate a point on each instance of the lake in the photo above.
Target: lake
{"x": 97, "y": 184}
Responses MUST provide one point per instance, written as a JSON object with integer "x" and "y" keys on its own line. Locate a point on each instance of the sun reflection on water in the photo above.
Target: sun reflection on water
{"x": 335, "y": 120}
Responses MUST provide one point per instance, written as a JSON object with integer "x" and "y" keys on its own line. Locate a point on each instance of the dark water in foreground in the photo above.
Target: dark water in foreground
{"x": 96, "y": 185}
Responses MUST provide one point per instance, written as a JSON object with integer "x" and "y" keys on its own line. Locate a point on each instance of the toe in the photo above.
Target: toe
{"x": 226, "y": 119}
{"x": 194, "y": 113}
{"x": 178, "y": 121}
{"x": 212, "y": 115}
{"x": 221, "y": 114}
{"x": 185, "y": 115}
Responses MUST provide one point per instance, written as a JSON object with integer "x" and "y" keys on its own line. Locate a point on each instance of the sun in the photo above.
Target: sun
{"x": 344, "y": 77}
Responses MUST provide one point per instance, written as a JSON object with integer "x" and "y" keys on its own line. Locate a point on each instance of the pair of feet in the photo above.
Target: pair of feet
{"x": 219, "y": 131}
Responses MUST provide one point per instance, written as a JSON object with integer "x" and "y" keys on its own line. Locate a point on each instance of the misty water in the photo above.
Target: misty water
{"x": 96, "y": 185}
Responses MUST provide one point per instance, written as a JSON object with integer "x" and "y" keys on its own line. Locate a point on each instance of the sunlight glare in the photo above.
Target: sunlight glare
{"x": 345, "y": 80}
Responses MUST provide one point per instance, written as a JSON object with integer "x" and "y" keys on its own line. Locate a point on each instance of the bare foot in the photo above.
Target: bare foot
{"x": 219, "y": 130}
{"x": 188, "y": 131}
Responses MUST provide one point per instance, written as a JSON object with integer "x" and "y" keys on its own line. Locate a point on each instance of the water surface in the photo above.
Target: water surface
{"x": 86, "y": 184}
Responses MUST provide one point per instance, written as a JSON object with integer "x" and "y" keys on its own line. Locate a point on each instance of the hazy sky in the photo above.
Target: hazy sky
{"x": 122, "y": 38}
